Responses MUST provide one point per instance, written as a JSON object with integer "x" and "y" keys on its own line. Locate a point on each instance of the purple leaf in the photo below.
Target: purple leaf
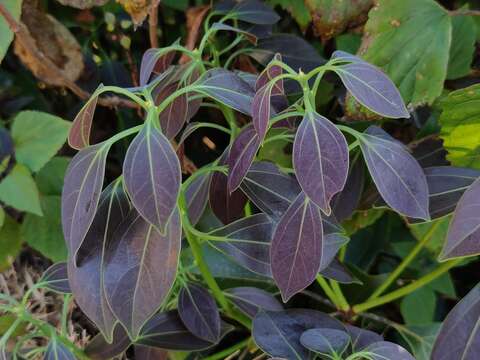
{"x": 150, "y": 353}
{"x": 332, "y": 244}
{"x": 228, "y": 88}
{"x": 199, "y": 312}
{"x": 278, "y": 332}
{"x": 6, "y": 145}
{"x": 325, "y": 341}
{"x": 174, "y": 116}
{"x": 459, "y": 336}
{"x": 297, "y": 247}
{"x": 167, "y": 331}
{"x": 269, "y": 189}
{"x": 320, "y": 159}
{"x": 370, "y": 86}
{"x": 154, "y": 60}
{"x": 251, "y": 300}
{"x": 56, "y": 278}
{"x": 278, "y": 98}
{"x": 241, "y": 155}
{"x": 430, "y": 152}
{"x": 226, "y": 206}
{"x": 346, "y": 201}
{"x": 86, "y": 280}
{"x": 81, "y": 193}
{"x": 251, "y": 11}
{"x": 295, "y": 52}
{"x": 362, "y": 338}
{"x": 247, "y": 241}
{"x": 337, "y": 271}
{"x": 399, "y": 178}
{"x": 249, "y": 78}
{"x": 135, "y": 285}
{"x": 446, "y": 184}
{"x": 387, "y": 350}
{"x": 79, "y": 135}
{"x": 152, "y": 175}
{"x": 463, "y": 237}
{"x": 100, "y": 349}
{"x": 196, "y": 195}
{"x": 221, "y": 26}
{"x": 57, "y": 351}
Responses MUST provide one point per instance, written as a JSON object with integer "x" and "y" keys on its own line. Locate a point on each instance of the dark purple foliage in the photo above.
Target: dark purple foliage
{"x": 251, "y": 11}
{"x": 196, "y": 195}
{"x": 134, "y": 283}
{"x": 337, "y": 271}
{"x": 388, "y": 350}
{"x": 81, "y": 193}
{"x": 6, "y": 144}
{"x": 370, "y": 86}
{"x": 79, "y": 135}
{"x": 57, "y": 351}
{"x": 199, "y": 312}
{"x": 241, "y": 155}
{"x": 362, "y": 338}
{"x": 399, "y": 178}
{"x": 99, "y": 349}
{"x": 224, "y": 27}
{"x": 278, "y": 332}
{"x": 154, "y": 60}
{"x": 325, "y": 340}
{"x": 463, "y": 237}
{"x": 297, "y": 247}
{"x": 320, "y": 159}
{"x": 152, "y": 175}
{"x": 251, "y": 300}
{"x": 56, "y": 278}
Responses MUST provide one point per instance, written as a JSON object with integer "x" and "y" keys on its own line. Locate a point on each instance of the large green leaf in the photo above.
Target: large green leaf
{"x": 463, "y": 46}
{"x": 420, "y": 338}
{"x": 50, "y": 178}
{"x": 433, "y": 233}
{"x": 38, "y": 136}
{"x": 44, "y": 233}
{"x": 15, "y": 8}
{"x": 18, "y": 190}
{"x": 10, "y": 242}
{"x": 460, "y": 126}
{"x": 418, "y": 308}
{"x": 410, "y": 41}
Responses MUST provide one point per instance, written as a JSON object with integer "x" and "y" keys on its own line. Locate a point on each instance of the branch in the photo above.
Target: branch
{"x": 22, "y": 35}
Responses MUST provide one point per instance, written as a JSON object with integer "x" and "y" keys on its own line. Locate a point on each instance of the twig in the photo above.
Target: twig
{"x": 23, "y": 36}
{"x": 153, "y": 23}
{"x": 464, "y": 12}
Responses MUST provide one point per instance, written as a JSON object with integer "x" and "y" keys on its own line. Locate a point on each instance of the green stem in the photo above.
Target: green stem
{"x": 225, "y": 353}
{"x": 403, "y": 265}
{"x": 342, "y": 301}
{"x": 230, "y": 118}
{"x": 328, "y": 291}
{"x": 394, "y": 295}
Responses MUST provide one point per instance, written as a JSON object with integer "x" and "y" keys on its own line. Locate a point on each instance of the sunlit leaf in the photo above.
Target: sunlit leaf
{"x": 251, "y": 300}
{"x": 152, "y": 175}
{"x": 297, "y": 247}
{"x": 135, "y": 285}
{"x": 399, "y": 178}
{"x": 320, "y": 159}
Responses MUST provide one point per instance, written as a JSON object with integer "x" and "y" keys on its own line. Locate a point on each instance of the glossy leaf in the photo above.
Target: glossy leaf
{"x": 199, "y": 312}
{"x": 196, "y": 195}
{"x": 79, "y": 135}
{"x": 386, "y": 350}
{"x": 135, "y": 286}
{"x": 154, "y": 60}
{"x": 320, "y": 159}
{"x": 152, "y": 175}
{"x": 459, "y": 337}
{"x": 297, "y": 247}
{"x": 228, "y": 88}
{"x": 241, "y": 155}
{"x": 346, "y": 201}
{"x": 399, "y": 178}
{"x": 446, "y": 184}
{"x": 251, "y": 300}
{"x": 81, "y": 193}
{"x": 56, "y": 278}
{"x": 87, "y": 280}
{"x": 57, "y": 351}
{"x": 278, "y": 332}
{"x": 99, "y": 349}
{"x": 325, "y": 340}
{"x": 226, "y": 206}
{"x": 370, "y": 86}
{"x": 247, "y": 242}
{"x": 251, "y": 11}
{"x": 166, "y": 330}
{"x": 271, "y": 190}
{"x": 464, "y": 231}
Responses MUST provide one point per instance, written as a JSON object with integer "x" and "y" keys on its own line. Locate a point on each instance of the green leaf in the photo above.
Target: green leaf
{"x": 435, "y": 230}
{"x": 44, "y": 233}
{"x": 420, "y": 338}
{"x": 444, "y": 285}
{"x": 361, "y": 219}
{"x": 297, "y": 9}
{"x": 15, "y": 9}
{"x": 18, "y": 190}
{"x": 275, "y": 150}
{"x": 37, "y": 137}
{"x": 50, "y": 178}
{"x": 460, "y": 126}
{"x": 2, "y": 217}
{"x": 348, "y": 42}
{"x": 10, "y": 242}
{"x": 418, "y": 308}
{"x": 463, "y": 46}
{"x": 410, "y": 41}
